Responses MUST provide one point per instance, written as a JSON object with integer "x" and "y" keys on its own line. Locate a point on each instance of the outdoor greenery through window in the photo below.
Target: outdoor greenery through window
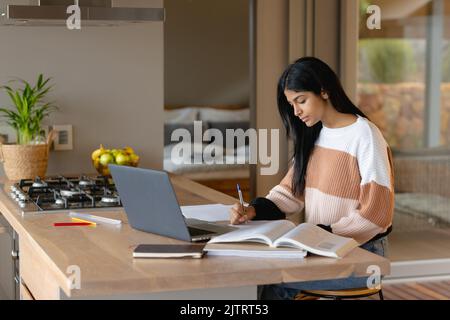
{"x": 393, "y": 71}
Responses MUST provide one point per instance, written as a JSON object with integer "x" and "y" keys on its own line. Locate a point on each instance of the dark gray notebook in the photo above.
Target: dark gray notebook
{"x": 168, "y": 251}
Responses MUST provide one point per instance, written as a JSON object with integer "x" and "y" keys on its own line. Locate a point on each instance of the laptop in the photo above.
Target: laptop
{"x": 152, "y": 206}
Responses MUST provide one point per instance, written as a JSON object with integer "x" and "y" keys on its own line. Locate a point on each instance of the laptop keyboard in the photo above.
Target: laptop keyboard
{"x": 198, "y": 232}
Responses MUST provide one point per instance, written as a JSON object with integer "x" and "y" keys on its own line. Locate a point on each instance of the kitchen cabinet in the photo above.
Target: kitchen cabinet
{"x": 8, "y": 286}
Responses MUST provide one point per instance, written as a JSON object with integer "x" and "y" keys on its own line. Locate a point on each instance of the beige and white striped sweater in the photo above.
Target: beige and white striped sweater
{"x": 349, "y": 183}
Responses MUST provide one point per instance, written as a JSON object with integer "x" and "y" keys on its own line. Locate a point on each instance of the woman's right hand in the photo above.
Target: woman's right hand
{"x": 238, "y": 216}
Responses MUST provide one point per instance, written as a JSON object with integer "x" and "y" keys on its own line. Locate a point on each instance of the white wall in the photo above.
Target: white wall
{"x": 108, "y": 85}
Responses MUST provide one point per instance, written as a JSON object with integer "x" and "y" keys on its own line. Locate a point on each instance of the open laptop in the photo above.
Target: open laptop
{"x": 152, "y": 206}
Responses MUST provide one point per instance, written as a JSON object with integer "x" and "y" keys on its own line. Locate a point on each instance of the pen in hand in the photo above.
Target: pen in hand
{"x": 241, "y": 200}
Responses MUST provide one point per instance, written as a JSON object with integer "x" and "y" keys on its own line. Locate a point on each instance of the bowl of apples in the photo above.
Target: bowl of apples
{"x": 102, "y": 157}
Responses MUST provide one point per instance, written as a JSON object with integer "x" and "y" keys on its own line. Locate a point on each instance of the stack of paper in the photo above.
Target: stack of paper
{"x": 208, "y": 212}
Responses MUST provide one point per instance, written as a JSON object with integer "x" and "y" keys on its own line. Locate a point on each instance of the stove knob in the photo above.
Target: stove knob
{"x": 13, "y": 188}
{"x": 15, "y": 254}
{"x": 22, "y": 197}
{"x": 22, "y": 204}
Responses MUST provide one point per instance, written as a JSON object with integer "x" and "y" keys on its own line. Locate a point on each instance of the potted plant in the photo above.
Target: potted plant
{"x": 29, "y": 157}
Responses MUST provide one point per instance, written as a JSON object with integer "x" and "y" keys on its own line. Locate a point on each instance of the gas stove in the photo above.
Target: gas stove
{"x": 64, "y": 193}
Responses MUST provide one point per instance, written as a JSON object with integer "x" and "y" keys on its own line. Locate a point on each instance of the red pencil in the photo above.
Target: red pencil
{"x": 71, "y": 224}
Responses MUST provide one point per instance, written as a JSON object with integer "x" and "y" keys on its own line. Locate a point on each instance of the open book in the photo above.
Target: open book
{"x": 280, "y": 235}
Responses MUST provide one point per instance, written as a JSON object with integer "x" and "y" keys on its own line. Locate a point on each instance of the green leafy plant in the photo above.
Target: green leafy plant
{"x": 30, "y": 109}
{"x": 389, "y": 60}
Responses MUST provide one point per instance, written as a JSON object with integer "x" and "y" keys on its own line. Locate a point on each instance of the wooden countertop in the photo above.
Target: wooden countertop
{"x": 104, "y": 256}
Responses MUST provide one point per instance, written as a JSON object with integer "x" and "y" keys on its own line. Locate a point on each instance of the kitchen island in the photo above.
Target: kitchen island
{"x": 97, "y": 263}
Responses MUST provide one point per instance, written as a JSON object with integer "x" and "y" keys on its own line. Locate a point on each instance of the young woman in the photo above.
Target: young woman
{"x": 341, "y": 171}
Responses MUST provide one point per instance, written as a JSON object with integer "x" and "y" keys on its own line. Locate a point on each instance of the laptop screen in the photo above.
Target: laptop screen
{"x": 149, "y": 201}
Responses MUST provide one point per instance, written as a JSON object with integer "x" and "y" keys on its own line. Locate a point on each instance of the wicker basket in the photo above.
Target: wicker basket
{"x": 26, "y": 161}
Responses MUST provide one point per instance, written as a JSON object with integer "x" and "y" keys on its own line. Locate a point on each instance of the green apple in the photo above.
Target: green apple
{"x": 122, "y": 159}
{"x": 106, "y": 158}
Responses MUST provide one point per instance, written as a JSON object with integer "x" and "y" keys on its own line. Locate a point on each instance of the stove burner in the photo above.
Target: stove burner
{"x": 38, "y": 183}
{"x": 110, "y": 199}
{"x": 70, "y": 193}
{"x": 84, "y": 182}
{"x": 64, "y": 192}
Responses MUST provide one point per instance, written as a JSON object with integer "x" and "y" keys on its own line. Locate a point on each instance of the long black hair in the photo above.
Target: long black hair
{"x": 312, "y": 75}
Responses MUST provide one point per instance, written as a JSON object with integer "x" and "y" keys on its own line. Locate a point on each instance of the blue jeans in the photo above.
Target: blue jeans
{"x": 287, "y": 291}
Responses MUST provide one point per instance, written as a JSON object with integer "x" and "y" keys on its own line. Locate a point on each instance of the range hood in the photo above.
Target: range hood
{"x": 54, "y": 13}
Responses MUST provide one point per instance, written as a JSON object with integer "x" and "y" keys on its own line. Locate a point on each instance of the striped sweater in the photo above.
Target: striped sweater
{"x": 349, "y": 183}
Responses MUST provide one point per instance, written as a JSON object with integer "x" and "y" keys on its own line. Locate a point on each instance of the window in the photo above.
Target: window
{"x": 404, "y": 88}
